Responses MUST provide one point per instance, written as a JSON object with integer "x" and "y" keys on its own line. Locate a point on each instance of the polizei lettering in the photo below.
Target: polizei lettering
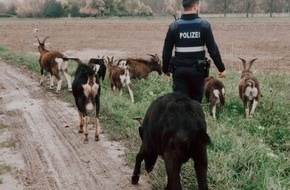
{"x": 189, "y": 35}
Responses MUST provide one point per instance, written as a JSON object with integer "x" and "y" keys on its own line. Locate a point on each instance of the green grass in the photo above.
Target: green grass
{"x": 2, "y": 126}
{"x": 246, "y": 153}
{"x": 4, "y": 169}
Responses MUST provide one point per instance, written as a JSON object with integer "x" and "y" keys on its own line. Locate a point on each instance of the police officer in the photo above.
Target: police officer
{"x": 189, "y": 35}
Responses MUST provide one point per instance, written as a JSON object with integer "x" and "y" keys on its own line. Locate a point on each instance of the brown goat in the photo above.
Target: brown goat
{"x": 53, "y": 62}
{"x": 249, "y": 89}
{"x": 119, "y": 77}
{"x": 215, "y": 94}
{"x": 140, "y": 68}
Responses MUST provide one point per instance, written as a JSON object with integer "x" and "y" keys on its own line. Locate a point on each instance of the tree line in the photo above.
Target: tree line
{"x": 88, "y": 8}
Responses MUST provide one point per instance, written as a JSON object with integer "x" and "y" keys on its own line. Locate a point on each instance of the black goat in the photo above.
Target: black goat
{"x": 174, "y": 127}
{"x": 99, "y": 62}
{"x": 86, "y": 90}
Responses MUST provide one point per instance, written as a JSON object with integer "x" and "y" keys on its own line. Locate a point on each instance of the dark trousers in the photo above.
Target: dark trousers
{"x": 190, "y": 81}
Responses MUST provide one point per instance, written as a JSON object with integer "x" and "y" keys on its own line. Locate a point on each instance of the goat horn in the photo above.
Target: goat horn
{"x": 251, "y": 63}
{"x": 45, "y": 39}
{"x": 151, "y": 55}
{"x": 37, "y": 39}
{"x": 244, "y": 62}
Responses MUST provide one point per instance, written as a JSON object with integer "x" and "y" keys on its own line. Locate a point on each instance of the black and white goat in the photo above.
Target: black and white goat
{"x": 249, "y": 89}
{"x": 53, "y": 62}
{"x": 215, "y": 94}
{"x": 174, "y": 127}
{"x": 86, "y": 90}
{"x": 99, "y": 63}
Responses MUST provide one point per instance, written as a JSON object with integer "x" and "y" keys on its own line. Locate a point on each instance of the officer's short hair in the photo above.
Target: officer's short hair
{"x": 188, "y": 3}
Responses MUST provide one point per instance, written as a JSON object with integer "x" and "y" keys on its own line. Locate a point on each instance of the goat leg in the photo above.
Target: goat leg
{"x": 97, "y": 125}
{"x": 131, "y": 92}
{"x": 247, "y": 108}
{"x": 86, "y": 132}
{"x": 59, "y": 83}
{"x": 41, "y": 77}
{"x": 213, "y": 109}
{"x": 201, "y": 165}
{"x": 173, "y": 168}
{"x": 136, "y": 173}
{"x": 68, "y": 79}
{"x": 254, "y": 105}
{"x": 81, "y": 122}
{"x": 51, "y": 77}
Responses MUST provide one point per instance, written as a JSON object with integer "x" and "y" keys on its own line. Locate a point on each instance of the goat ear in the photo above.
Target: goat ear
{"x": 244, "y": 63}
{"x": 139, "y": 119}
{"x": 251, "y": 63}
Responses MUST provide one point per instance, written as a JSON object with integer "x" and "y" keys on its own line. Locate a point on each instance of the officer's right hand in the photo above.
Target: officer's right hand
{"x": 222, "y": 74}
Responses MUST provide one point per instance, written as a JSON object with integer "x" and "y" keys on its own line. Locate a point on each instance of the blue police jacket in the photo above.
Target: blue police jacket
{"x": 189, "y": 35}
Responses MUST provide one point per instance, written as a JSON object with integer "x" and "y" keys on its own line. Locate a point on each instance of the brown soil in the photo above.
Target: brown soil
{"x": 265, "y": 38}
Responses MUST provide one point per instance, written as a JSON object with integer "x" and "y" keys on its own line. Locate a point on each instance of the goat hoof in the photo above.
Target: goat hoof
{"x": 81, "y": 131}
{"x": 70, "y": 90}
{"x": 149, "y": 170}
{"x": 97, "y": 138}
{"x": 86, "y": 138}
{"x": 135, "y": 179}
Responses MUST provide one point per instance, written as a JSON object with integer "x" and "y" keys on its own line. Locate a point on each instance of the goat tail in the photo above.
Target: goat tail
{"x": 250, "y": 83}
{"x": 73, "y": 59}
{"x": 222, "y": 96}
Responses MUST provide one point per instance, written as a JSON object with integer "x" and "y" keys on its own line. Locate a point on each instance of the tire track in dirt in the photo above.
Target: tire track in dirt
{"x": 54, "y": 155}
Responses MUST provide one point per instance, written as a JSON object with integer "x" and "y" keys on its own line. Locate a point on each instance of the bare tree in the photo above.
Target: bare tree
{"x": 271, "y": 4}
{"x": 226, "y": 6}
{"x": 250, "y": 7}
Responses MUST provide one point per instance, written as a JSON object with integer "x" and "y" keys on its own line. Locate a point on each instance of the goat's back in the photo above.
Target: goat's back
{"x": 212, "y": 84}
{"x": 48, "y": 59}
{"x": 249, "y": 81}
{"x": 82, "y": 74}
{"x": 174, "y": 118}
{"x": 140, "y": 68}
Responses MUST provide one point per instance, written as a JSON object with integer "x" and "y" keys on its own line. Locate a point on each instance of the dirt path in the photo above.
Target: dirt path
{"x": 45, "y": 134}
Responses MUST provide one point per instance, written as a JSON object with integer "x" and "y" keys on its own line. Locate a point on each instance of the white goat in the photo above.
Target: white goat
{"x": 249, "y": 89}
